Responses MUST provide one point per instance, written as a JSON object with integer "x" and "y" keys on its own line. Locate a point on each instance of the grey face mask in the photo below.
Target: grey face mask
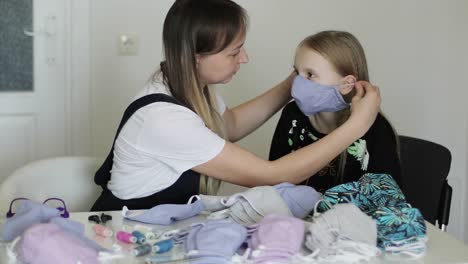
{"x": 243, "y": 213}
{"x": 255, "y": 203}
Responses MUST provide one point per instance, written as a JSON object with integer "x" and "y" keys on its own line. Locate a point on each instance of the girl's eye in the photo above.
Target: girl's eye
{"x": 235, "y": 54}
{"x": 310, "y": 75}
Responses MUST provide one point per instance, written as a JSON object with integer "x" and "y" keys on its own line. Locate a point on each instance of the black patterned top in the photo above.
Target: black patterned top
{"x": 375, "y": 152}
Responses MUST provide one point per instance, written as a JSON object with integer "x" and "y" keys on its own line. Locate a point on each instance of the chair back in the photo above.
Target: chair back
{"x": 68, "y": 178}
{"x": 425, "y": 166}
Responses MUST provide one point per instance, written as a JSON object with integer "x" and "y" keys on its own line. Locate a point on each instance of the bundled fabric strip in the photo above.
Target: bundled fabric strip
{"x": 400, "y": 228}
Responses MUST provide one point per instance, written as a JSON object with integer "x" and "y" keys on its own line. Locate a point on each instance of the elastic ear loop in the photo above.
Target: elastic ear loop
{"x": 193, "y": 197}
{"x": 65, "y": 213}
{"x": 359, "y": 250}
{"x": 414, "y": 247}
{"x": 10, "y": 214}
{"x": 317, "y": 213}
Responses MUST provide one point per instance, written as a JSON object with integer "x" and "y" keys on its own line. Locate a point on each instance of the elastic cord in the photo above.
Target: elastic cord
{"x": 192, "y": 198}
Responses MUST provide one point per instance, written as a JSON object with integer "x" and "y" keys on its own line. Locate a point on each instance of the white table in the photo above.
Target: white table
{"x": 442, "y": 248}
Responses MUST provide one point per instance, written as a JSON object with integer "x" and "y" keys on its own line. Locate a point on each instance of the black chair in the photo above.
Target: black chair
{"x": 425, "y": 166}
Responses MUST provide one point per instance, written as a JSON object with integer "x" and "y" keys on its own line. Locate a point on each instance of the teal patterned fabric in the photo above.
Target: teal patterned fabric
{"x": 379, "y": 196}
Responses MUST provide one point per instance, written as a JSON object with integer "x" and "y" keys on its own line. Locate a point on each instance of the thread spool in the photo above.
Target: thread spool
{"x": 126, "y": 237}
{"x": 141, "y": 238}
{"x": 163, "y": 246}
{"x": 102, "y": 230}
{"x": 142, "y": 250}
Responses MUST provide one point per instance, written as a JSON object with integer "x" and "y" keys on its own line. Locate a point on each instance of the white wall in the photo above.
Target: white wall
{"x": 416, "y": 52}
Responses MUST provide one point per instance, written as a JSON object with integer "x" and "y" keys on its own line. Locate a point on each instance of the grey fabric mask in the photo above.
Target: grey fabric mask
{"x": 344, "y": 220}
{"x": 255, "y": 203}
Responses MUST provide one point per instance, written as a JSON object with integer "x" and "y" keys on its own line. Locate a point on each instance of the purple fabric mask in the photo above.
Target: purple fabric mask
{"x": 49, "y": 243}
{"x": 166, "y": 214}
{"x": 203, "y": 241}
{"x": 312, "y": 97}
{"x": 276, "y": 239}
{"x": 300, "y": 199}
{"x": 28, "y": 214}
{"x": 31, "y": 213}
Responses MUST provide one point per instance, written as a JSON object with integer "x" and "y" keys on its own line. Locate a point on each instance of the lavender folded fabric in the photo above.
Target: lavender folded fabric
{"x": 49, "y": 243}
{"x": 300, "y": 199}
{"x": 276, "y": 239}
{"x": 166, "y": 214}
{"x": 214, "y": 241}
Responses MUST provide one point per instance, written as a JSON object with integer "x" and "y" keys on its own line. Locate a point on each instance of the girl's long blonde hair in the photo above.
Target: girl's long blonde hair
{"x": 198, "y": 27}
{"x": 346, "y": 54}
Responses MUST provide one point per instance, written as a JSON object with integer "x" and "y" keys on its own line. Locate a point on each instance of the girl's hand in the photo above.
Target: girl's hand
{"x": 365, "y": 105}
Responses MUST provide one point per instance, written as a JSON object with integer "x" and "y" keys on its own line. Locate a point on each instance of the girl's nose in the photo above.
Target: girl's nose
{"x": 243, "y": 57}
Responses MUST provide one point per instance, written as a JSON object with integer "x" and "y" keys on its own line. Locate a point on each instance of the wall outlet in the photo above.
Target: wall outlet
{"x": 128, "y": 45}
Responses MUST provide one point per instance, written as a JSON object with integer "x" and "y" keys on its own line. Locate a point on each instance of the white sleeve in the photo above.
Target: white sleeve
{"x": 178, "y": 137}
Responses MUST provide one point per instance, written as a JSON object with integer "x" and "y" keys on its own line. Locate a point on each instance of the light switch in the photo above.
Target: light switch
{"x": 128, "y": 45}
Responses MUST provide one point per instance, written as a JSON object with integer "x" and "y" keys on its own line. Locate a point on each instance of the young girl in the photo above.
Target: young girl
{"x": 328, "y": 64}
{"x": 174, "y": 140}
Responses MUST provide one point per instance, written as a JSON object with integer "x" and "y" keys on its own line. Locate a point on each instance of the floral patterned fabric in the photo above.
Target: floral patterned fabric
{"x": 379, "y": 196}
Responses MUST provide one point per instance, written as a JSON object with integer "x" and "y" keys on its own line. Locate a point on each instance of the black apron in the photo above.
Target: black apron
{"x": 178, "y": 193}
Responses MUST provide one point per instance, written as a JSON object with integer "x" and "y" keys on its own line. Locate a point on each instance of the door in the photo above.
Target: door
{"x": 33, "y": 81}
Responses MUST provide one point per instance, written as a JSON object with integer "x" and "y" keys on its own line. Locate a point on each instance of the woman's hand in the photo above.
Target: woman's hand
{"x": 287, "y": 84}
{"x": 365, "y": 105}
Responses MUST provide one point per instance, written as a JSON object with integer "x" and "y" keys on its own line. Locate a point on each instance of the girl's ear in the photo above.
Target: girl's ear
{"x": 348, "y": 84}
{"x": 347, "y": 88}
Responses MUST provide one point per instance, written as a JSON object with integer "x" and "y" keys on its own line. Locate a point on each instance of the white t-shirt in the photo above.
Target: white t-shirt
{"x": 158, "y": 143}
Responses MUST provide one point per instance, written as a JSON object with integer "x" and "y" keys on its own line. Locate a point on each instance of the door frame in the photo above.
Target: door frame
{"x": 78, "y": 121}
